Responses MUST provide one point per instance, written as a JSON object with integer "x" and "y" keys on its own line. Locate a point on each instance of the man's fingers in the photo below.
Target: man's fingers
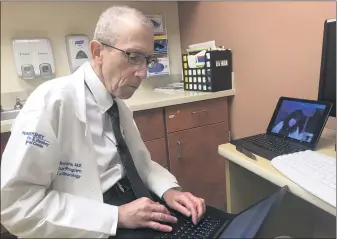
{"x": 184, "y": 200}
{"x": 158, "y": 208}
{"x": 200, "y": 204}
{"x": 203, "y": 205}
{"x": 167, "y": 211}
{"x": 161, "y": 217}
{"x": 159, "y": 227}
{"x": 183, "y": 210}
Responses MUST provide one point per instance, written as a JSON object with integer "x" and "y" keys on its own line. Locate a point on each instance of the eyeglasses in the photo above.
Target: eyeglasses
{"x": 136, "y": 58}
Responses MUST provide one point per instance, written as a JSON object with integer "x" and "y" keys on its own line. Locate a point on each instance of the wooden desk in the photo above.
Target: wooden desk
{"x": 303, "y": 215}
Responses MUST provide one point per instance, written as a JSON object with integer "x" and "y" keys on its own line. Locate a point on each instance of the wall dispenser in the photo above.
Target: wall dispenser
{"x": 33, "y": 57}
{"x": 77, "y": 50}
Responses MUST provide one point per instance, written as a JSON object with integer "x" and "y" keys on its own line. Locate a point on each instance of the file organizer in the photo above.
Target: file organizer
{"x": 214, "y": 75}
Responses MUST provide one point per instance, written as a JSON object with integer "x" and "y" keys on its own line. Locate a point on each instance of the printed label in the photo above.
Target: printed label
{"x": 73, "y": 170}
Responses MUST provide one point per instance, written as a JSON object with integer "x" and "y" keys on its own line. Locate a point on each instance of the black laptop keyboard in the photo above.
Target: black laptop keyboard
{"x": 275, "y": 144}
{"x": 202, "y": 230}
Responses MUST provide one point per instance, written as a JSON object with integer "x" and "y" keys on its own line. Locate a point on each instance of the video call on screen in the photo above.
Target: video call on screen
{"x": 298, "y": 120}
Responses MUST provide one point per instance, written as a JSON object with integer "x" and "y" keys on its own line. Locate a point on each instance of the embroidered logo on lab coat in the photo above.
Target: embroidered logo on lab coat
{"x": 35, "y": 139}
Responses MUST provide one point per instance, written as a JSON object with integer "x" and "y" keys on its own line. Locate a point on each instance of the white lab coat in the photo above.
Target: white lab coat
{"x": 50, "y": 183}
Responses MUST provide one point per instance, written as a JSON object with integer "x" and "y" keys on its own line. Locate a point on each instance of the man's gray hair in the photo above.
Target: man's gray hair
{"x": 113, "y": 18}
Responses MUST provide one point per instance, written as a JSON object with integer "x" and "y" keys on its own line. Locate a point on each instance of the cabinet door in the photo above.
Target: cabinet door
{"x": 194, "y": 160}
{"x": 157, "y": 150}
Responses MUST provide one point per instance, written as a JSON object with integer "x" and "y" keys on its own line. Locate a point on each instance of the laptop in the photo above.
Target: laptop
{"x": 296, "y": 125}
{"x": 216, "y": 223}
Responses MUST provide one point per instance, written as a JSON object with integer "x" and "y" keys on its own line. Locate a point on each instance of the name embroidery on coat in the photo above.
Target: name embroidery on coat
{"x": 67, "y": 169}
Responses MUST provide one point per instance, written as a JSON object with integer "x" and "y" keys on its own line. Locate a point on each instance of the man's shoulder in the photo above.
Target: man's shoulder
{"x": 54, "y": 92}
{"x": 61, "y": 87}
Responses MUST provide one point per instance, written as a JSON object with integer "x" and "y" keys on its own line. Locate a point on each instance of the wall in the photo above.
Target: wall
{"x": 57, "y": 19}
{"x": 276, "y": 51}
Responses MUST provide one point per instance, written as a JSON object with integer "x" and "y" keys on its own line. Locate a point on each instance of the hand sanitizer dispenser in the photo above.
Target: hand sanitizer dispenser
{"x": 33, "y": 57}
{"x": 78, "y": 50}
{"x": 23, "y": 59}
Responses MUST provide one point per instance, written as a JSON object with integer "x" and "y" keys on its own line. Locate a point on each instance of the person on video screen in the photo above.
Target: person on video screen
{"x": 292, "y": 125}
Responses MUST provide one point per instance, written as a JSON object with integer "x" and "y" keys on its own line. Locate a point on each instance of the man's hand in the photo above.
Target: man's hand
{"x": 144, "y": 212}
{"x": 185, "y": 203}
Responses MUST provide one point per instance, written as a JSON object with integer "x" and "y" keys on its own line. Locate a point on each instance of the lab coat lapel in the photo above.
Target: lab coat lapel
{"x": 78, "y": 81}
{"x": 80, "y": 112}
{"x": 80, "y": 104}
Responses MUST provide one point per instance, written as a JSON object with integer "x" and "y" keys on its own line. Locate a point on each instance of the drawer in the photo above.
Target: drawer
{"x": 196, "y": 114}
{"x": 150, "y": 123}
{"x": 157, "y": 149}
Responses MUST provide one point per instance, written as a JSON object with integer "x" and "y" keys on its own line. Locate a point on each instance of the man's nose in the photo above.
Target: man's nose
{"x": 141, "y": 71}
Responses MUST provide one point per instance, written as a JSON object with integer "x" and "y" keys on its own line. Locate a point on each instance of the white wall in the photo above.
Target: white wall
{"x": 57, "y": 19}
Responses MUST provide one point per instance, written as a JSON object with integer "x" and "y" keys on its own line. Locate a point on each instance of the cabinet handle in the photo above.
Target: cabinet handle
{"x": 179, "y": 150}
{"x": 199, "y": 111}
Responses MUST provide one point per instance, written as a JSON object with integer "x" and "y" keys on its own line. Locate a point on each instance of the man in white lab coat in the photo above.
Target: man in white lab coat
{"x": 61, "y": 159}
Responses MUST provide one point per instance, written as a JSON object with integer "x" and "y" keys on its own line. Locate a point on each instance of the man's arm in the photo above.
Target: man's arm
{"x": 28, "y": 207}
{"x": 156, "y": 177}
{"x": 165, "y": 185}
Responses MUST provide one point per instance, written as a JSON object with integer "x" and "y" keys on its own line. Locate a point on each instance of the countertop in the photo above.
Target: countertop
{"x": 265, "y": 169}
{"x": 149, "y": 99}
{"x": 145, "y": 99}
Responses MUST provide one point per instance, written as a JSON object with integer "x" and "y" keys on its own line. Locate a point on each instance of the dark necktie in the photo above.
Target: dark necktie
{"x": 137, "y": 185}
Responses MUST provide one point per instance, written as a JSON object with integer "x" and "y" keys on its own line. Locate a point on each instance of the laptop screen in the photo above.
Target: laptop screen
{"x": 249, "y": 222}
{"x": 300, "y": 120}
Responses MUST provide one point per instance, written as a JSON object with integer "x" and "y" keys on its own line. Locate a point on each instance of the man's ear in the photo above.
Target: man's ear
{"x": 96, "y": 50}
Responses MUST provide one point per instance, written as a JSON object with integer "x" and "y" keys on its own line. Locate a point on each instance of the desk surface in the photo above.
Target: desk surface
{"x": 263, "y": 168}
